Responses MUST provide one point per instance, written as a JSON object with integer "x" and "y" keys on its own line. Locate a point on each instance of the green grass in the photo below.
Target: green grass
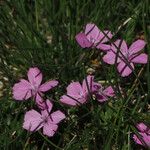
{"x": 24, "y": 28}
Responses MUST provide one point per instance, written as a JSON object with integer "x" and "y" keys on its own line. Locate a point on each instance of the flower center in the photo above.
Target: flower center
{"x": 92, "y": 40}
{"x": 44, "y": 118}
{"x": 126, "y": 55}
{"x": 81, "y": 94}
{"x": 34, "y": 88}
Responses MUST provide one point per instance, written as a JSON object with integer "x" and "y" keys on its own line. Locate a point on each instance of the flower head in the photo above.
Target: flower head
{"x": 93, "y": 37}
{"x": 33, "y": 120}
{"x": 127, "y": 57}
{"x": 102, "y": 94}
{"x": 144, "y": 135}
{"x": 25, "y": 89}
{"x": 78, "y": 94}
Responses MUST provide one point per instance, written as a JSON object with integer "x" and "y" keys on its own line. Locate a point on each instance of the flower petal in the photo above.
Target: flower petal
{"x": 88, "y": 85}
{"x": 137, "y": 46}
{"x": 120, "y": 45}
{"x": 57, "y": 116}
{"x": 92, "y": 32}
{"x": 49, "y": 129}
{"x": 109, "y": 58}
{"x": 22, "y": 90}
{"x": 48, "y": 85}
{"x": 140, "y": 59}
{"x": 124, "y": 69}
{"x": 103, "y": 37}
{"x": 69, "y": 101}
{"x": 136, "y": 139}
{"x": 109, "y": 91}
{"x": 32, "y": 121}
{"x": 83, "y": 41}
{"x": 35, "y": 76}
{"x": 42, "y": 104}
{"x": 142, "y": 127}
{"x": 144, "y": 139}
{"x": 103, "y": 47}
{"x": 74, "y": 89}
{"x": 101, "y": 98}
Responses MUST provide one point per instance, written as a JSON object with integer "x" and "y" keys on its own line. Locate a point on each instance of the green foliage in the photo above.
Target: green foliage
{"x": 42, "y": 33}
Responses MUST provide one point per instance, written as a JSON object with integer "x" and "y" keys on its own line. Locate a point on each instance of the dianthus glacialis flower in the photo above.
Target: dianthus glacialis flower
{"x": 144, "y": 135}
{"x": 103, "y": 94}
{"x": 132, "y": 55}
{"x": 25, "y": 89}
{"x": 93, "y": 37}
{"x": 33, "y": 120}
{"x": 78, "y": 94}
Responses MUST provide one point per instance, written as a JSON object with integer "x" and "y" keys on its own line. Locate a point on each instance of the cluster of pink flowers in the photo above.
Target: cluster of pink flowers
{"x": 34, "y": 120}
{"x": 77, "y": 94}
{"x": 116, "y": 52}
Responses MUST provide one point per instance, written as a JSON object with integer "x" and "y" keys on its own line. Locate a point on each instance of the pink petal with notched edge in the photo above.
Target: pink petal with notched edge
{"x": 120, "y": 45}
{"x": 95, "y": 35}
{"x": 142, "y": 127}
{"x": 83, "y": 41}
{"x": 48, "y": 85}
{"x": 32, "y": 121}
{"x": 48, "y": 105}
{"x": 69, "y": 101}
{"x": 92, "y": 32}
{"x": 57, "y": 116}
{"x": 49, "y": 129}
{"x": 110, "y": 57}
{"x": 144, "y": 139}
{"x": 140, "y": 59}
{"x": 35, "y": 76}
{"x": 103, "y": 37}
{"x": 137, "y": 46}
{"x": 124, "y": 69}
{"x": 136, "y": 139}
{"x": 22, "y": 90}
{"x": 39, "y": 101}
{"x": 74, "y": 89}
{"x": 109, "y": 91}
{"x": 103, "y": 47}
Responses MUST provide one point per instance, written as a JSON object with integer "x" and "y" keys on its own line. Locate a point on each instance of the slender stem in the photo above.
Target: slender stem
{"x": 50, "y": 141}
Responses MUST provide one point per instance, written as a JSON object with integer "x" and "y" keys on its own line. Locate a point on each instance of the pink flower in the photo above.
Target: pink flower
{"x": 33, "y": 120}
{"x": 93, "y": 37}
{"x": 31, "y": 87}
{"x": 102, "y": 94}
{"x": 144, "y": 135}
{"x": 131, "y": 55}
{"x": 78, "y": 94}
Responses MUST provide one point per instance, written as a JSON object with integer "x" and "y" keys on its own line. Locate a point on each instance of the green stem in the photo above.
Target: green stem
{"x": 50, "y": 142}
